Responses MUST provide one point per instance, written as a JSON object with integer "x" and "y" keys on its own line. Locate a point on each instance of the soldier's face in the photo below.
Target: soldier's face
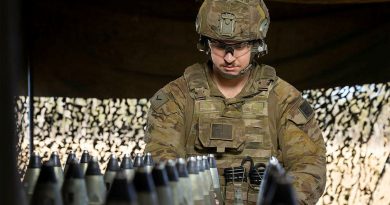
{"x": 229, "y": 58}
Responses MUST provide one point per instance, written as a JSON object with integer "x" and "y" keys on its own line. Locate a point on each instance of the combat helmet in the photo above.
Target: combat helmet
{"x": 233, "y": 20}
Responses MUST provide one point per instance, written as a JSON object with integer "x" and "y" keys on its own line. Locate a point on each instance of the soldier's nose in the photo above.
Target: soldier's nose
{"x": 229, "y": 58}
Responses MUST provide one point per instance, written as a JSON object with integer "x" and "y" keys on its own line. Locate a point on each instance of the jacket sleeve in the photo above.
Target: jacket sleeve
{"x": 164, "y": 132}
{"x": 303, "y": 147}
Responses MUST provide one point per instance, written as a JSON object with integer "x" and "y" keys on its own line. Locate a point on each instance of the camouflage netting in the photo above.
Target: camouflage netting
{"x": 355, "y": 122}
{"x": 356, "y": 125}
{"x": 100, "y": 126}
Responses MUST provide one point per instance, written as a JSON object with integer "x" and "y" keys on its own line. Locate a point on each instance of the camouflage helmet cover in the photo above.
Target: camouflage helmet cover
{"x": 237, "y": 20}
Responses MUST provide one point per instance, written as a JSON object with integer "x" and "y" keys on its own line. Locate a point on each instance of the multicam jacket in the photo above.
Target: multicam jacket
{"x": 269, "y": 117}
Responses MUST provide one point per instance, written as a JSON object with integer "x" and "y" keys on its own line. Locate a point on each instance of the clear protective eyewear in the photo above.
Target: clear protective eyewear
{"x": 236, "y": 49}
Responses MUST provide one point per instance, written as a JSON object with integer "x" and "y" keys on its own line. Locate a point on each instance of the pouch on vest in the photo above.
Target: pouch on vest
{"x": 221, "y": 133}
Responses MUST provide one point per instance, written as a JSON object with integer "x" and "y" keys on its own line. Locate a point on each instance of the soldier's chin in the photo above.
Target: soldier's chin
{"x": 230, "y": 76}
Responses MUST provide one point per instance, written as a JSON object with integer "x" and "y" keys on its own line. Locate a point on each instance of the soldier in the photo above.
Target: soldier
{"x": 234, "y": 107}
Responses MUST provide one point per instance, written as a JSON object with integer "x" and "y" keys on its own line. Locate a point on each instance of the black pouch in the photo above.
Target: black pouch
{"x": 256, "y": 175}
{"x": 235, "y": 174}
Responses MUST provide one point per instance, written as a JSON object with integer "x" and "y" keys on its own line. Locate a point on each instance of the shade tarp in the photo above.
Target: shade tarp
{"x": 330, "y": 1}
{"x": 131, "y": 49}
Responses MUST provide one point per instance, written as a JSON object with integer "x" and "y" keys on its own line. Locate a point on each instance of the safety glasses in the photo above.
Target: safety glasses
{"x": 236, "y": 49}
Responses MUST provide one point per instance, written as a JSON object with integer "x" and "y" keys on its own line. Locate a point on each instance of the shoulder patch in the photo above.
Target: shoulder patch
{"x": 306, "y": 109}
{"x": 159, "y": 99}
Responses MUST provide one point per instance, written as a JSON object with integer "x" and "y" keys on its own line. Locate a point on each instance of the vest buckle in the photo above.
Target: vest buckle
{"x": 200, "y": 93}
{"x": 264, "y": 85}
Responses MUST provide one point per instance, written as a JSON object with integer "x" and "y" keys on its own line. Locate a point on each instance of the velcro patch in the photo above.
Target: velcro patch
{"x": 159, "y": 99}
{"x": 306, "y": 109}
{"x": 222, "y": 131}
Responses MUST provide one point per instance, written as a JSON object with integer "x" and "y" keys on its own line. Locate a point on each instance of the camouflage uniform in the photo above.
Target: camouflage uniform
{"x": 268, "y": 117}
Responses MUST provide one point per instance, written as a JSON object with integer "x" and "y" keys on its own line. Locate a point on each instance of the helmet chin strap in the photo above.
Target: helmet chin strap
{"x": 245, "y": 70}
